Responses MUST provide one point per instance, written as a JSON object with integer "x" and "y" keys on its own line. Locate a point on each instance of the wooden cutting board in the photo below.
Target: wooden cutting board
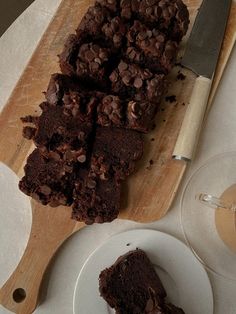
{"x": 147, "y": 195}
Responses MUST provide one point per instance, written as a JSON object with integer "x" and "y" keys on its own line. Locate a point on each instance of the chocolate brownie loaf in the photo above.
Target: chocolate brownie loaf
{"x": 115, "y": 151}
{"x": 48, "y": 179}
{"x": 88, "y": 135}
{"x": 95, "y": 200}
{"x": 132, "y": 82}
{"x": 131, "y": 286}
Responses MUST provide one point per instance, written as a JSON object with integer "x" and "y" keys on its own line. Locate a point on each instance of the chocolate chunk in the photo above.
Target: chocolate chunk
{"x": 170, "y": 99}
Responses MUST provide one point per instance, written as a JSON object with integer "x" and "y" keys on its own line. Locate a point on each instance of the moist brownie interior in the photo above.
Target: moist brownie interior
{"x": 131, "y": 286}
{"x": 88, "y": 136}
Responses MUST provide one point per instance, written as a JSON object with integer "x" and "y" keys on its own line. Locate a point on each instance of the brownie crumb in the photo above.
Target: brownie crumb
{"x": 152, "y": 139}
{"x": 151, "y": 162}
{"x": 128, "y": 244}
{"x": 183, "y": 104}
{"x": 171, "y": 98}
{"x": 181, "y": 77}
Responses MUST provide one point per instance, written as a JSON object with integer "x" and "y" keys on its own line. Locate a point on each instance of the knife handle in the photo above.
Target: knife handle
{"x": 192, "y": 123}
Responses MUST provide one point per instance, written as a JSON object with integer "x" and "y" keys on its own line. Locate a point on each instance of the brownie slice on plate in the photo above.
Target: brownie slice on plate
{"x": 131, "y": 286}
{"x": 114, "y": 154}
{"x": 95, "y": 200}
{"x": 48, "y": 179}
{"x": 130, "y": 81}
{"x": 151, "y": 48}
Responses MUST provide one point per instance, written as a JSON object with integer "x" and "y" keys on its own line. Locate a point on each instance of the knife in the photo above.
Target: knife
{"x": 201, "y": 56}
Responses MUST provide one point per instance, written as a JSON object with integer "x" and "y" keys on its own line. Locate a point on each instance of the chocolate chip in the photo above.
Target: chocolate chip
{"x": 138, "y": 83}
{"x": 91, "y": 184}
{"x": 81, "y": 158}
{"x": 45, "y": 190}
{"x": 122, "y": 66}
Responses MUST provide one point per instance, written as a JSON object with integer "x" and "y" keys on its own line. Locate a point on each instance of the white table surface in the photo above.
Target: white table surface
{"x": 219, "y": 135}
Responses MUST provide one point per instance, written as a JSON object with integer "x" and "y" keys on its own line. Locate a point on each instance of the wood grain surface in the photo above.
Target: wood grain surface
{"x": 147, "y": 195}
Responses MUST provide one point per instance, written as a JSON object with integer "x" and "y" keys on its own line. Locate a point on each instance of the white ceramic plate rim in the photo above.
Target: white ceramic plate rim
{"x": 153, "y": 235}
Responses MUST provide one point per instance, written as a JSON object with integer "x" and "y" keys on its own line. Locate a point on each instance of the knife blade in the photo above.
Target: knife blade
{"x": 201, "y": 56}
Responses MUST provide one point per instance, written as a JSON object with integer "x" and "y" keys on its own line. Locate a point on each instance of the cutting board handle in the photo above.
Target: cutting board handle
{"x": 20, "y": 294}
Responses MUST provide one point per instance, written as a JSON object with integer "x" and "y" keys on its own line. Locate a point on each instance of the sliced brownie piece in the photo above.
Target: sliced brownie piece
{"x": 169, "y": 16}
{"x": 130, "y": 81}
{"x": 66, "y": 123}
{"x": 131, "y": 285}
{"x": 95, "y": 200}
{"x": 150, "y": 48}
{"x": 112, "y": 111}
{"x": 115, "y": 151}
{"x": 48, "y": 179}
{"x": 88, "y": 61}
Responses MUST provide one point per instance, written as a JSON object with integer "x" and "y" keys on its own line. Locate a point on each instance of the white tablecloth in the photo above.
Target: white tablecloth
{"x": 16, "y": 47}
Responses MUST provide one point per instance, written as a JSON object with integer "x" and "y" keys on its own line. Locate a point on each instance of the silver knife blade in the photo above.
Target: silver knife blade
{"x": 204, "y": 44}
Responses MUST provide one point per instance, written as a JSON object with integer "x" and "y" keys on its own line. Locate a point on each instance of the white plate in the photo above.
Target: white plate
{"x": 183, "y": 276}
